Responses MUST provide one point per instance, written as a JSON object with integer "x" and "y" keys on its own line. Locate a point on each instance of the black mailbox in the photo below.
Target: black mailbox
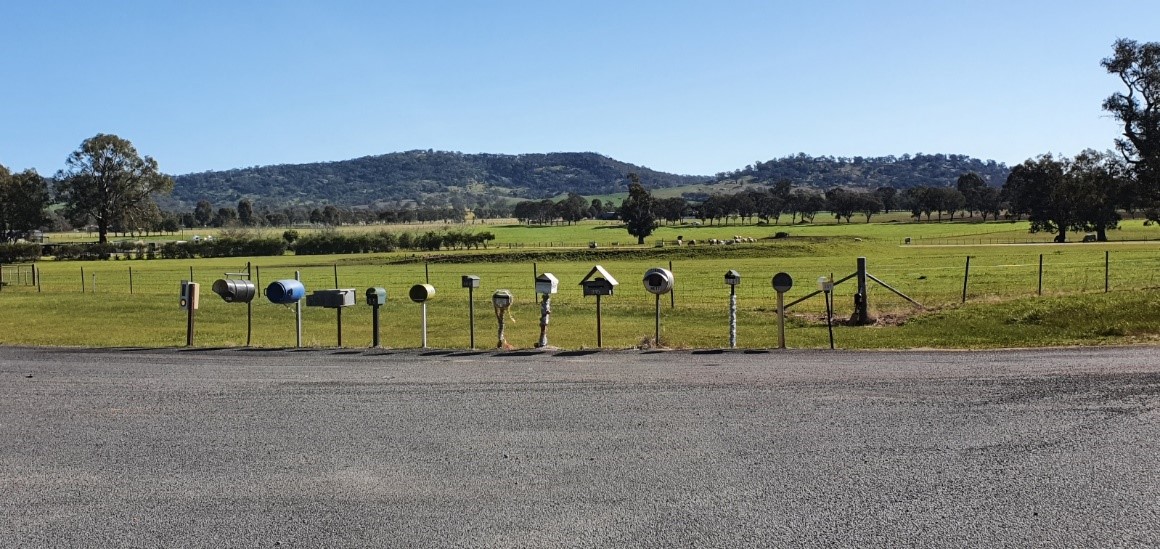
{"x": 732, "y": 278}
{"x": 598, "y": 282}
{"x": 470, "y": 281}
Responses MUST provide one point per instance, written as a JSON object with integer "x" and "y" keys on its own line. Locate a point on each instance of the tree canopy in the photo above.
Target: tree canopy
{"x": 1068, "y": 194}
{"x": 107, "y": 182}
{"x": 637, "y": 211}
{"x": 1138, "y": 110}
{"x": 24, "y": 198}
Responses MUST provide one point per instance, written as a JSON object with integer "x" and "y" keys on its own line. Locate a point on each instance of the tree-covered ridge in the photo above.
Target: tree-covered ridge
{"x": 902, "y": 172}
{"x": 418, "y": 175}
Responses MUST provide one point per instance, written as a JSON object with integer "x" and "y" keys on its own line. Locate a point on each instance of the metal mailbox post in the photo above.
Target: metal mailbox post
{"x": 420, "y": 293}
{"x": 189, "y": 301}
{"x": 782, "y": 283}
{"x": 335, "y": 299}
{"x": 289, "y": 292}
{"x": 658, "y": 281}
{"x": 376, "y": 298}
{"x": 598, "y": 282}
{"x": 827, "y": 287}
{"x": 238, "y": 290}
{"x": 471, "y": 282}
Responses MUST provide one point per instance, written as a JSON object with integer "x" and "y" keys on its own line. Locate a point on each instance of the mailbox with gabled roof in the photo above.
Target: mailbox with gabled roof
{"x": 598, "y": 282}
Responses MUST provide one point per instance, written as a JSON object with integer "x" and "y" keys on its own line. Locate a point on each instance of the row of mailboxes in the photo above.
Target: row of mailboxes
{"x": 598, "y": 282}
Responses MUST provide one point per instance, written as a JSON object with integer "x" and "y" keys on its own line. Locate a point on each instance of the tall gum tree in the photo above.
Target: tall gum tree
{"x": 1138, "y": 67}
{"x": 638, "y": 210}
{"x": 107, "y": 182}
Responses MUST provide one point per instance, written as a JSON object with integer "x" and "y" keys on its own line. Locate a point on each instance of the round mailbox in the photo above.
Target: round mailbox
{"x": 285, "y": 292}
{"x": 234, "y": 290}
{"x": 421, "y": 292}
{"x": 658, "y": 281}
{"x": 782, "y": 282}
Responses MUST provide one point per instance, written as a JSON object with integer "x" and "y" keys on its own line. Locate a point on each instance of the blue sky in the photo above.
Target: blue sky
{"x": 679, "y": 86}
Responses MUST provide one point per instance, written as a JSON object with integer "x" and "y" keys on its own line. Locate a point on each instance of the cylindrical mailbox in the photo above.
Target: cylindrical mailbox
{"x": 285, "y": 292}
{"x": 421, "y": 292}
{"x": 234, "y": 290}
{"x": 658, "y": 281}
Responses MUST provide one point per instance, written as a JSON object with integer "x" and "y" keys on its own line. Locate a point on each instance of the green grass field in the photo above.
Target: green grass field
{"x": 1002, "y": 310}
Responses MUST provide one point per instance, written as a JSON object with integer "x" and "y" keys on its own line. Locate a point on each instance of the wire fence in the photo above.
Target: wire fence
{"x": 936, "y": 279}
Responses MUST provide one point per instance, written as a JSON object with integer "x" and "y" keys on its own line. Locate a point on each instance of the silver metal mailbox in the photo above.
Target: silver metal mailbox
{"x": 658, "y": 281}
{"x": 234, "y": 290}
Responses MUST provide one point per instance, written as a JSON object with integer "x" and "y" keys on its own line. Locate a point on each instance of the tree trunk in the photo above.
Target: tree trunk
{"x": 1101, "y": 234}
{"x": 640, "y": 240}
{"x": 1062, "y": 236}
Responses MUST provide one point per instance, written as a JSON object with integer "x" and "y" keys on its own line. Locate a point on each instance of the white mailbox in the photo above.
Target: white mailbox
{"x": 825, "y": 284}
{"x": 502, "y": 299}
{"x": 547, "y": 283}
{"x": 658, "y": 281}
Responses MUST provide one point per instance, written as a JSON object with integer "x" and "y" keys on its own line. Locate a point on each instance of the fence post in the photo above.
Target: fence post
{"x": 37, "y": 271}
{"x": 1040, "y": 274}
{"x": 130, "y": 280}
{"x": 426, "y": 273}
{"x": 82, "y": 280}
{"x": 966, "y": 275}
{"x": 672, "y": 293}
{"x": 1107, "y": 269}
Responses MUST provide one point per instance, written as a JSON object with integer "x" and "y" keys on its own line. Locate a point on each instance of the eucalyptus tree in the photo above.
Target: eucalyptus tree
{"x": 106, "y": 181}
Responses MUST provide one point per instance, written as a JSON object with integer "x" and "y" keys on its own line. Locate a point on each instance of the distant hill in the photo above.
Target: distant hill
{"x": 932, "y": 170}
{"x": 420, "y": 175}
{"x": 438, "y": 177}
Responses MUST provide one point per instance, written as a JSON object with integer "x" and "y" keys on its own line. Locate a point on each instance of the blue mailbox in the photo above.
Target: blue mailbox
{"x": 285, "y": 292}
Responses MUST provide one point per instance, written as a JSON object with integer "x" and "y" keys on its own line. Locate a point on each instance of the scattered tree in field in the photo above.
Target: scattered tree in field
{"x": 1101, "y": 183}
{"x": 672, "y": 209}
{"x": 637, "y": 211}
{"x": 24, "y": 201}
{"x": 972, "y": 188}
{"x": 1041, "y": 189}
{"x": 572, "y": 209}
{"x": 106, "y": 181}
{"x": 246, "y": 212}
{"x": 1138, "y": 67}
{"x": 203, "y": 213}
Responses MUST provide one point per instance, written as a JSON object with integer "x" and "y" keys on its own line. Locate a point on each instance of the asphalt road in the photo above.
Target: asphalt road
{"x": 239, "y": 448}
